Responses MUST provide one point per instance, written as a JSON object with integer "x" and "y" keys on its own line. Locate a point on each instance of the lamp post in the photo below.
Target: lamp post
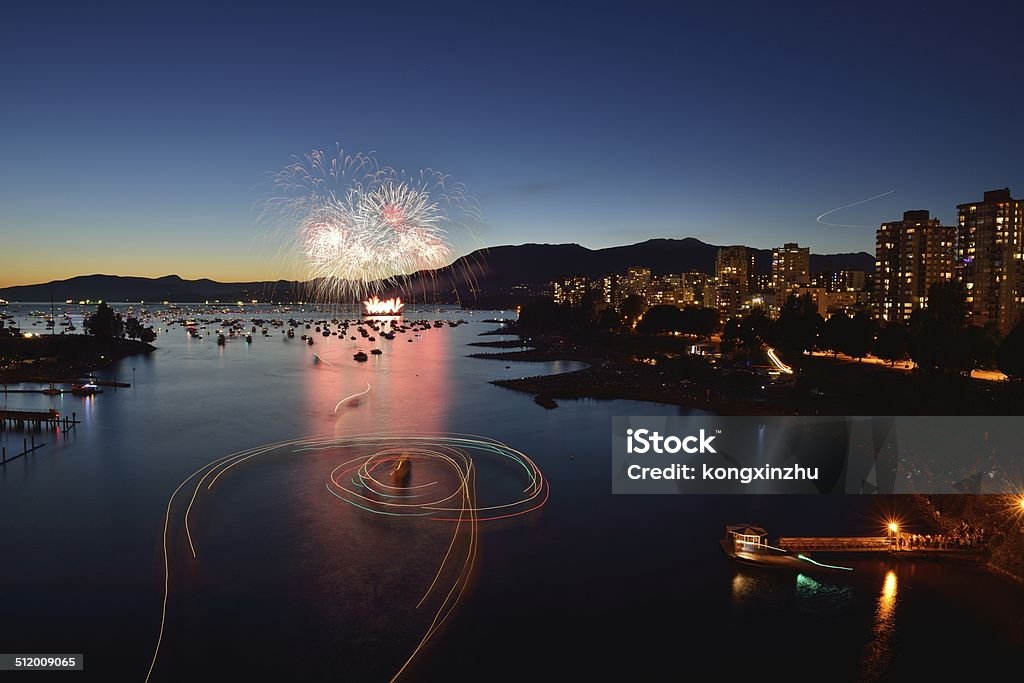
{"x": 894, "y": 531}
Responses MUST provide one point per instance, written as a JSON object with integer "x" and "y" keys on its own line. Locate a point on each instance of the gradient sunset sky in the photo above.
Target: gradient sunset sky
{"x": 136, "y": 139}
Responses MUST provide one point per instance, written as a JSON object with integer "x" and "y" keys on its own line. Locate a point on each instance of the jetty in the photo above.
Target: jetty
{"x": 838, "y": 544}
{"x": 36, "y": 420}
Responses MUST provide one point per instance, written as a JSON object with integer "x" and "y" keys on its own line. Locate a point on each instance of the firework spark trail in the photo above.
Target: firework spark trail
{"x": 847, "y": 206}
{"x": 364, "y": 227}
{"x": 454, "y": 452}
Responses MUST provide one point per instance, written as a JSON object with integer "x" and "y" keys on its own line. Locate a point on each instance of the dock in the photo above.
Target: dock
{"x": 36, "y": 420}
{"x": 900, "y": 542}
{"x": 837, "y": 544}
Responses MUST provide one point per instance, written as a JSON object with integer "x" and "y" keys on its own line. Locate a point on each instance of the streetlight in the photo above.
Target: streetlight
{"x": 893, "y": 528}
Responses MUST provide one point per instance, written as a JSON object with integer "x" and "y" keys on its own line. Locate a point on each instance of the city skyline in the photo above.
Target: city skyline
{"x": 144, "y": 136}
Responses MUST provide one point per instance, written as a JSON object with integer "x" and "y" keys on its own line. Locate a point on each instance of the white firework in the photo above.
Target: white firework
{"x": 364, "y": 227}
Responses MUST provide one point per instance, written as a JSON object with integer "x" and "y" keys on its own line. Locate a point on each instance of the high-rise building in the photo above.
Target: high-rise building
{"x": 841, "y": 280}
{"x": 910, "y": 256}
{"x": 761, "y": 283}
{"x": 733, "y": 268}
{"x": 611, "y": 290}
{"x": 672, "y": 290}
{"x": 636, "y": 282}
{"x": 701, "y": 288}
{"x": 570, "y": 290}
{"x": 791, "y": 265}
{"x": 989, "y": 252}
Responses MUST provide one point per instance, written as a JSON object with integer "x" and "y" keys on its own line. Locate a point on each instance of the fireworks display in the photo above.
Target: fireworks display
{"x": 443, "y": 487}
{"x": 375, "y": 306}
{"x": 363, "y": 228}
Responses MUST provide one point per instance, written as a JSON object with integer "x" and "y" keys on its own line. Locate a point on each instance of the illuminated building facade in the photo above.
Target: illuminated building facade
{"x": 734, "y": 267}
{"x": 910, "y": 256}
{"x": 636, "y": 282}
{"x": 791, "y": 265}
{"x": 570, "y": 290}
{"x": 611, "y": 290}
{"x": 989, "y": 252}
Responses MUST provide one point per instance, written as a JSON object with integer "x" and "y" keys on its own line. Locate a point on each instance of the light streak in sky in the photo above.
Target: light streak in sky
{"x": 360, "y": 227}
{"x": 847, "y": 206}
{"x": 362, "y": 482}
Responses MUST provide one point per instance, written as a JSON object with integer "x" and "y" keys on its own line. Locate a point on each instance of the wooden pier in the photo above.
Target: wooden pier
{"x": 35, "y": 420}
{"x": 839, "y": 544}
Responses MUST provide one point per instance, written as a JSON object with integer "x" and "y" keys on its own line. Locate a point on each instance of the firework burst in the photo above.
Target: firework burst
{"x": 363, "y": 228}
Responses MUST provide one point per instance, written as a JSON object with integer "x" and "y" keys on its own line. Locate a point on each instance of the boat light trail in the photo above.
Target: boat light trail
{"x": 822, "y": 564}
{"x": 349, "y": 398}
{"x": 360, "y": 481}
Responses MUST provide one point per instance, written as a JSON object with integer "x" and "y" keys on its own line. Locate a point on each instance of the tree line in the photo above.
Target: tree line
{"x": 936, "y": 338}
{"x": 108, "y": 326}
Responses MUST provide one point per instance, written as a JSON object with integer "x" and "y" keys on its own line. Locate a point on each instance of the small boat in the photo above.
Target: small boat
{"x": 86, "y": 389}
{"x": 248, "y": 339}
{"x": 52, "y": 390}
{"x": 291, "y": 333}
{"x": 221, "y": 340}
{"x": 402, "y": 470}
{"x": 545, "y": 401}
{"x": 748, "y": 544}
{"x": 310, "y": 341}
{"x": 376, "y": 352}
{"x": 360, "y": 356}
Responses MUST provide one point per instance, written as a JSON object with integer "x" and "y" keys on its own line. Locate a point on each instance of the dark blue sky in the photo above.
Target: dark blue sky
{"x": 150, "y": 131}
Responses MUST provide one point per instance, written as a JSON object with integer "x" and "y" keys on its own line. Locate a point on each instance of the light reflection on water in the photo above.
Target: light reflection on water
{"x": 879, "y": 650}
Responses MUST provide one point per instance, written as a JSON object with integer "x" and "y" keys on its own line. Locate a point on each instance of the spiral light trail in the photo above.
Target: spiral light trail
{"x": 362, "y": 481}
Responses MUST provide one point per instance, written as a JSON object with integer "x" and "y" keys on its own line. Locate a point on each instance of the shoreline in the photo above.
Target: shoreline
{"x": 61, "y": 358}
{"x": 604, "y": 380}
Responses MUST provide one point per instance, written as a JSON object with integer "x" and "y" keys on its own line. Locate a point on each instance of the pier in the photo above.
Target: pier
{"x": 36, "y": 420}
{"x": 838, "y": 544}
{"x": 900, "y": 541}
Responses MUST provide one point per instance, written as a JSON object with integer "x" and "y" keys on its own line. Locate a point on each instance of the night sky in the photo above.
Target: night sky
{"x": 137, "y": 140}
